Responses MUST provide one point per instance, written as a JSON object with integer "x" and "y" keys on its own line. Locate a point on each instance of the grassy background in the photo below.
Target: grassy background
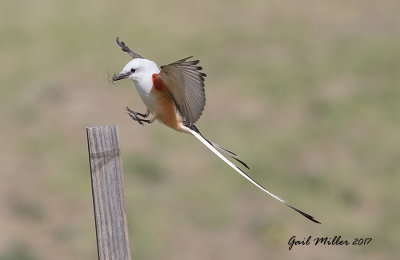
{"x": 307, "y": 92}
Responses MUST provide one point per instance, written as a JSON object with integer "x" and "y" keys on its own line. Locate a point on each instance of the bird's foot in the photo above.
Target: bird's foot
{"x": 138, "y": 117}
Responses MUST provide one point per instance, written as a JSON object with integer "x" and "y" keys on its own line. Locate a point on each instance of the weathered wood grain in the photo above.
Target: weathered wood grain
{"x": 108, "y": 193}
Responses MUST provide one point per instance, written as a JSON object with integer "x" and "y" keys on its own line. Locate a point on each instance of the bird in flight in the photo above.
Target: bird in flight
{"x": 175, "y": 97}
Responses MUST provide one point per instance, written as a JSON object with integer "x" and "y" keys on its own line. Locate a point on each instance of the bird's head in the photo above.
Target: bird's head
{"x": 138, "y": 70}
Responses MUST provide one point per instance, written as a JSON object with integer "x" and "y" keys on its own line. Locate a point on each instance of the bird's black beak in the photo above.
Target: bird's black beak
{"x": 120, "y": 76}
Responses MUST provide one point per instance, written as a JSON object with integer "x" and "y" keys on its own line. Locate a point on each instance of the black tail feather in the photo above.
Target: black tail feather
{"x": 304, "y": 214}
{"x": 242, "y": 162}
{"x": 226, "y": 150}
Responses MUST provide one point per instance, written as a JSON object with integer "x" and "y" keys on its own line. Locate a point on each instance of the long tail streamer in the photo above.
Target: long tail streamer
{"x": 196, "y": 133}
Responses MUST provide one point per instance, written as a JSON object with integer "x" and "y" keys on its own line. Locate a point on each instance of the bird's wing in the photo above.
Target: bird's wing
{"x": 185, "y": 81}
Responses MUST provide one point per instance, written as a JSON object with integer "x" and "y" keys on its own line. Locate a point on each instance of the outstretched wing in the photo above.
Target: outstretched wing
{"x": 185, "y": 81}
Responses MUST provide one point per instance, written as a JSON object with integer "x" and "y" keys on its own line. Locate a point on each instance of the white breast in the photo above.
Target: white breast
{"x": 146, "y": 96}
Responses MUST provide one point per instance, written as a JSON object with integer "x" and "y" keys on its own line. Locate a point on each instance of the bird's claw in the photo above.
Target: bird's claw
{"x": 136, "y": 116}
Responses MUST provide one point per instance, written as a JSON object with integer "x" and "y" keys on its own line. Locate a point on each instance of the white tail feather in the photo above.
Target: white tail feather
{"x": 215, "y": 151}
{"x": 241, "y": 172}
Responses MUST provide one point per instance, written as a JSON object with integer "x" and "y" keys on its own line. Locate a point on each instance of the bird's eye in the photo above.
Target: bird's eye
{"x": 133, "y": 70}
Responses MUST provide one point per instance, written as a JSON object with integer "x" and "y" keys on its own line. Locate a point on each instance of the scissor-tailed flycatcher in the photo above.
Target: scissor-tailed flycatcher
{"x": 175, "y": 97}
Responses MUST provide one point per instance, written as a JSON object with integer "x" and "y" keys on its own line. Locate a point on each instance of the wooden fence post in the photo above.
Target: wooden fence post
{"x": 108, "y": 193}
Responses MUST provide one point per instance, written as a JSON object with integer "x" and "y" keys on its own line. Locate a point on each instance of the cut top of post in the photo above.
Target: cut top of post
{"x": 103, "y": 139}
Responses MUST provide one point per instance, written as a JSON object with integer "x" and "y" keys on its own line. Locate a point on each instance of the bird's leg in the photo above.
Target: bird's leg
{"x": 139, "y": 117}
{"x": 130, "y": 111}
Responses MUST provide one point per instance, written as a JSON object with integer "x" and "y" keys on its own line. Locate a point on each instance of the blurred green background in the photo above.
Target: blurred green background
{"x": 306, "y": 92}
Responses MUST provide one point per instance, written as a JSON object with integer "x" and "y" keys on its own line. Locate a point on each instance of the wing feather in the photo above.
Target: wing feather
{"x": 185, "y": 81}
